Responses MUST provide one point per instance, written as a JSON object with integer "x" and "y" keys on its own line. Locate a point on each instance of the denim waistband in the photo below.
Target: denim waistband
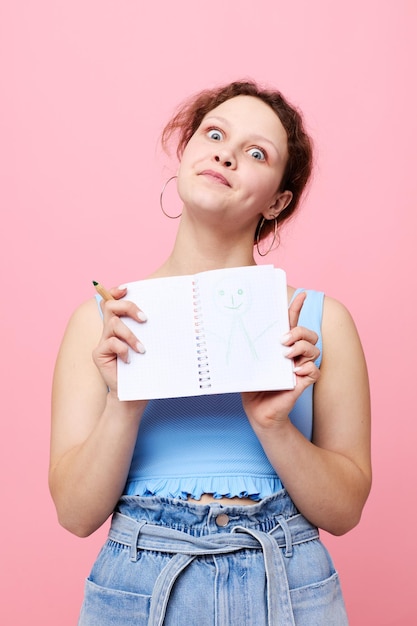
{"x": 199, "y": 519}
{"x": 140, "y": 534}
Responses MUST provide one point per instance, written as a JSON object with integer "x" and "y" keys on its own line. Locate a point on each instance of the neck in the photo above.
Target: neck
{"x": 198, "y": 249}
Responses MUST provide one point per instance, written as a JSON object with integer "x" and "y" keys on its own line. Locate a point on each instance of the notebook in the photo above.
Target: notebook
{"x": 217, "y": 331}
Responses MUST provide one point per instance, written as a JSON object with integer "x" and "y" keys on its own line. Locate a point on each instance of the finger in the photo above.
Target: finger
{"x": 108, "y": 350}
{"x": 299, "y": 333}
{"x": 295, "y": 308}
{"x": 118, "y": 292}
{"x": 122, "y": 308}
{"x": 116, "y": 328}
{"x": 306, "y": 375}
{"x": 302, "y": 351}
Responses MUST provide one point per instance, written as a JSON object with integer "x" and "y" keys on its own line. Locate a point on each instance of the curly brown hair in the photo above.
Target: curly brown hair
{"x": 298, "y": 169}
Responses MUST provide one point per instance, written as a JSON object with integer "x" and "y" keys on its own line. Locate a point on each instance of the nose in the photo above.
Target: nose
{"x": 226, "y": 158}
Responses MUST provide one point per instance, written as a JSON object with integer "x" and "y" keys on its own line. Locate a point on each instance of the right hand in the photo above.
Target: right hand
{"x": 267, "y": 409}
{"x": 116, "y": 337}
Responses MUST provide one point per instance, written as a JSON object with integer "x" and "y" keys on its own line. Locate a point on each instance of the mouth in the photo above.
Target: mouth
{"x": 216, "y": 177}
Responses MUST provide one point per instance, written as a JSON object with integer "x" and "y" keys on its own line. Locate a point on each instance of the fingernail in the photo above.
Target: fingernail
{"x": 296, "y": 369}
{"x": 122, "y": 287}
{"x": 142, "y": 316}
{"x": 287, "y": 351}
{"x": 285, "y": 338}
{"x": 140, "y": 348}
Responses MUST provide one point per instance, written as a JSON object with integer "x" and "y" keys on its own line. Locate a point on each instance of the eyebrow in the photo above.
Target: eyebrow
{"x": 260, "y": 138}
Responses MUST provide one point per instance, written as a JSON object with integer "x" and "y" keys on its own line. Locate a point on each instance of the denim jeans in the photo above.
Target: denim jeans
{"x": 171, "y": 563}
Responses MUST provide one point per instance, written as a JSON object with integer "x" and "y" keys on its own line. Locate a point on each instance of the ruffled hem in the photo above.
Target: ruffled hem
{"x": 253, "y": 487}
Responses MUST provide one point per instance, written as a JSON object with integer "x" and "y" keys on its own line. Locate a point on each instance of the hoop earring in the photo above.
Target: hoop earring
{"x": 171, "y": 217}
{"x": 258, "y": 237}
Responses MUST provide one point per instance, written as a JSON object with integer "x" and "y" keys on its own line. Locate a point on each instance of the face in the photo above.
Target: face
{"x": 232, "y": 298}
{"x": 234, "y": 162}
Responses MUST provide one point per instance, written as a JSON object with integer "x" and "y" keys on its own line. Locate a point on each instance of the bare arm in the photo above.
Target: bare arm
{"x": 93, "y": 433}
{"x": 328, "y": 479}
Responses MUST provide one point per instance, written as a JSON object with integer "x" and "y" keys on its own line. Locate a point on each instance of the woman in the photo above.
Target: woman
{"x": 233, "y": 524}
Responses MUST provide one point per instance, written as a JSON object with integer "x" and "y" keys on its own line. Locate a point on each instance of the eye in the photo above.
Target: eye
{"x": 215, "y": 134}
{"x": 257, "y": 153}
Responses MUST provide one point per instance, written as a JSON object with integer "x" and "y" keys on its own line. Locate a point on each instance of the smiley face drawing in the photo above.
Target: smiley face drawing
{"x": 233, "y": 301}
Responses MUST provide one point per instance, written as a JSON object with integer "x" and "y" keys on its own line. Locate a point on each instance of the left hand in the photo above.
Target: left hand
{"x": 267, "y": 409}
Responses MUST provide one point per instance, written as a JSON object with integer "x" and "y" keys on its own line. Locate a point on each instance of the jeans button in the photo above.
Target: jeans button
{"x": 222, "y": 519}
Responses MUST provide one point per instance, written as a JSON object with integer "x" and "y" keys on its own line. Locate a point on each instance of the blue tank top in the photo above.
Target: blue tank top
{"x": 205, "y": 444}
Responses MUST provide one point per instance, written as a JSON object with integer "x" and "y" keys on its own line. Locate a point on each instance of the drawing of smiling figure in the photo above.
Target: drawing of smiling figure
{"x": 234, "y": 301}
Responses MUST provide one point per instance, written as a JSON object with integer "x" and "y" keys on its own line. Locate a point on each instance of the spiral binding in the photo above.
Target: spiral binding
{"x": 204, "y": 378}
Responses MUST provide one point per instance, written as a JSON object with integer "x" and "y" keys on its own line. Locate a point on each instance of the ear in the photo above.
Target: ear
{"x": 282, "y": 200}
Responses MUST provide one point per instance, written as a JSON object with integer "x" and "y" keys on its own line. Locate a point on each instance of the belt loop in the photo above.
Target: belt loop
{"x": 287, "y": 534}
{"x": 134, "y": 544}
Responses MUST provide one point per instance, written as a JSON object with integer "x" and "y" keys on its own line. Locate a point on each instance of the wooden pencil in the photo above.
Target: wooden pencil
{"x": 106, "y": 295}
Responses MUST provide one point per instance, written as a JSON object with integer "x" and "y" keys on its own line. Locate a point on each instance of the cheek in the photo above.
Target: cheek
{"x": 185, "y": 180}
{"x": 181, "y": 184}
{"x": 183, "y": 169}
{"x": 263, "y": 188}
{"x": 188, "y": 161}
{"x": 193, "y": 149}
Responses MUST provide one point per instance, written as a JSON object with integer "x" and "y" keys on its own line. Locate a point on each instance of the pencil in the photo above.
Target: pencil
{"x": 106, "y": 295}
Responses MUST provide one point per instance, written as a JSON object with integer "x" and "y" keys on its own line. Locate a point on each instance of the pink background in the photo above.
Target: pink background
{"x": 86, "y": 87}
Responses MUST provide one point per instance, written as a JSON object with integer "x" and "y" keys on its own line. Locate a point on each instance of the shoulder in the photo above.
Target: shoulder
{"x": 333, "y": 313}
{"x": 85, "y": 324}
{"x": 336, "y": 317}
{"x": 341, "y": 342}
{"x": 87, "y": 312}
